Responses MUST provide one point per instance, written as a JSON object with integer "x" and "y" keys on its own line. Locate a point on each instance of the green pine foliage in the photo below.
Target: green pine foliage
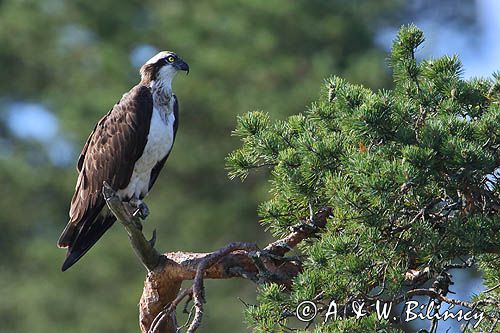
{"x": 411, "y": 175}
{"x": 77, "y": 59}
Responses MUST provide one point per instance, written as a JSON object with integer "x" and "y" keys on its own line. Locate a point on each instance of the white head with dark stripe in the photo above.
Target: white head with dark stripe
{"x": 161, "y": 69}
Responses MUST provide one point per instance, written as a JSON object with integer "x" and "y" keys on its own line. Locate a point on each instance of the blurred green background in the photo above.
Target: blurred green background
{"x": 63, "y": 64}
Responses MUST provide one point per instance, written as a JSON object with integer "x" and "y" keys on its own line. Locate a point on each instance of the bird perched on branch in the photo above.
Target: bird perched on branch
{"x": 127, "y": 149}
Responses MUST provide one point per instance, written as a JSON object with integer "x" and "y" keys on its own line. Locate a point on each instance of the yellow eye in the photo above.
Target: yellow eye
{"x": 170, "y": 59}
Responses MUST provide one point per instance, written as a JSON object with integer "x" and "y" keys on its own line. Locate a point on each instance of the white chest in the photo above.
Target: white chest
{"x": 160, "y": 139}
{"x": 159, "y": 144}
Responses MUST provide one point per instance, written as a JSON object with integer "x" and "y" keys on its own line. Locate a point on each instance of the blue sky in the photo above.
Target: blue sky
{"x": 479, "y": 51}
{"x": 485, "y": 58}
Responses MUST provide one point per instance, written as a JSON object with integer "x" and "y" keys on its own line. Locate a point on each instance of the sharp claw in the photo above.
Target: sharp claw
{"x": 142, "y": 210}
{"x": 136, "y": 212}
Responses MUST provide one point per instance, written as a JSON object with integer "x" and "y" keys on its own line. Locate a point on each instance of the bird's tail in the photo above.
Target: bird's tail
{"x": 67, "y": 236}
{"x": 80, "y": 241}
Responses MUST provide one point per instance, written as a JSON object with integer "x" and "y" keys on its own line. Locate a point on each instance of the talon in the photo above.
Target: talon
{"x": 142, "y": 210}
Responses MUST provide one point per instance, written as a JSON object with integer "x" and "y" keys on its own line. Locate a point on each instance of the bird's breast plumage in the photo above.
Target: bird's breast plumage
{"x": 159, "y": 143}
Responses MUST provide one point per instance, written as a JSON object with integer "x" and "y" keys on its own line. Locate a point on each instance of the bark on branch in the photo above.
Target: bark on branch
{"x": 161, "y": 294}
{"x": 143, "y": 248}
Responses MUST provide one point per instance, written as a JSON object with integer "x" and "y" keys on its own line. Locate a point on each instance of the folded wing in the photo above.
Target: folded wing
{"x": 109, "y": 155}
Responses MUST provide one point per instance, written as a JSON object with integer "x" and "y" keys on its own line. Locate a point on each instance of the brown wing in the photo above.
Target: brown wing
{"x": 109, "y": 154}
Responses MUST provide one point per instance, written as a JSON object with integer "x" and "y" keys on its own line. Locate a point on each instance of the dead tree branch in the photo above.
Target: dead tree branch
{"x": 161, "y": 294}
{"x": 143, "y": 248}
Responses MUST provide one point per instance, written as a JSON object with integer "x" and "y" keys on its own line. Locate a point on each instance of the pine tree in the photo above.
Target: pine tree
{"x": 411, "y": 177}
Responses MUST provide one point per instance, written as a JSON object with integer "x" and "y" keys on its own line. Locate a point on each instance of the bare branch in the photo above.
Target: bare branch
{"x": 198, "y": 291}
{"x": 166, "y": 272}
{"x": 144, "y": 250}
{"x": 491, "y": 289}
{"x": 163, "y": 315}
{"x": 300, "y": 232}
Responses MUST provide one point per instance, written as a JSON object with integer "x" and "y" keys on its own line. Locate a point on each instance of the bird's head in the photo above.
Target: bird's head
{"x": 163, "y": 67}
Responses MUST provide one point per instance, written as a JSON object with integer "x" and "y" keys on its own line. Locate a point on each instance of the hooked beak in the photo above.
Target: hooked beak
{"x": 182, "y": 66}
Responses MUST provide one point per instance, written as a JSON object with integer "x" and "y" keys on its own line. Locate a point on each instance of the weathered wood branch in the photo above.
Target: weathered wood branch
{"x": 161, "y": 293}
{"x": 143, "y": 248}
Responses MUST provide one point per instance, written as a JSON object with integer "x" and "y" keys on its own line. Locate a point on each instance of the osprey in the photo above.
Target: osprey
{"x": 127, "y": 149}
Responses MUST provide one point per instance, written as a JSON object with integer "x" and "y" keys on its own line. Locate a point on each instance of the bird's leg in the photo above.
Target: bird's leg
{"x": 140, "y": 208}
